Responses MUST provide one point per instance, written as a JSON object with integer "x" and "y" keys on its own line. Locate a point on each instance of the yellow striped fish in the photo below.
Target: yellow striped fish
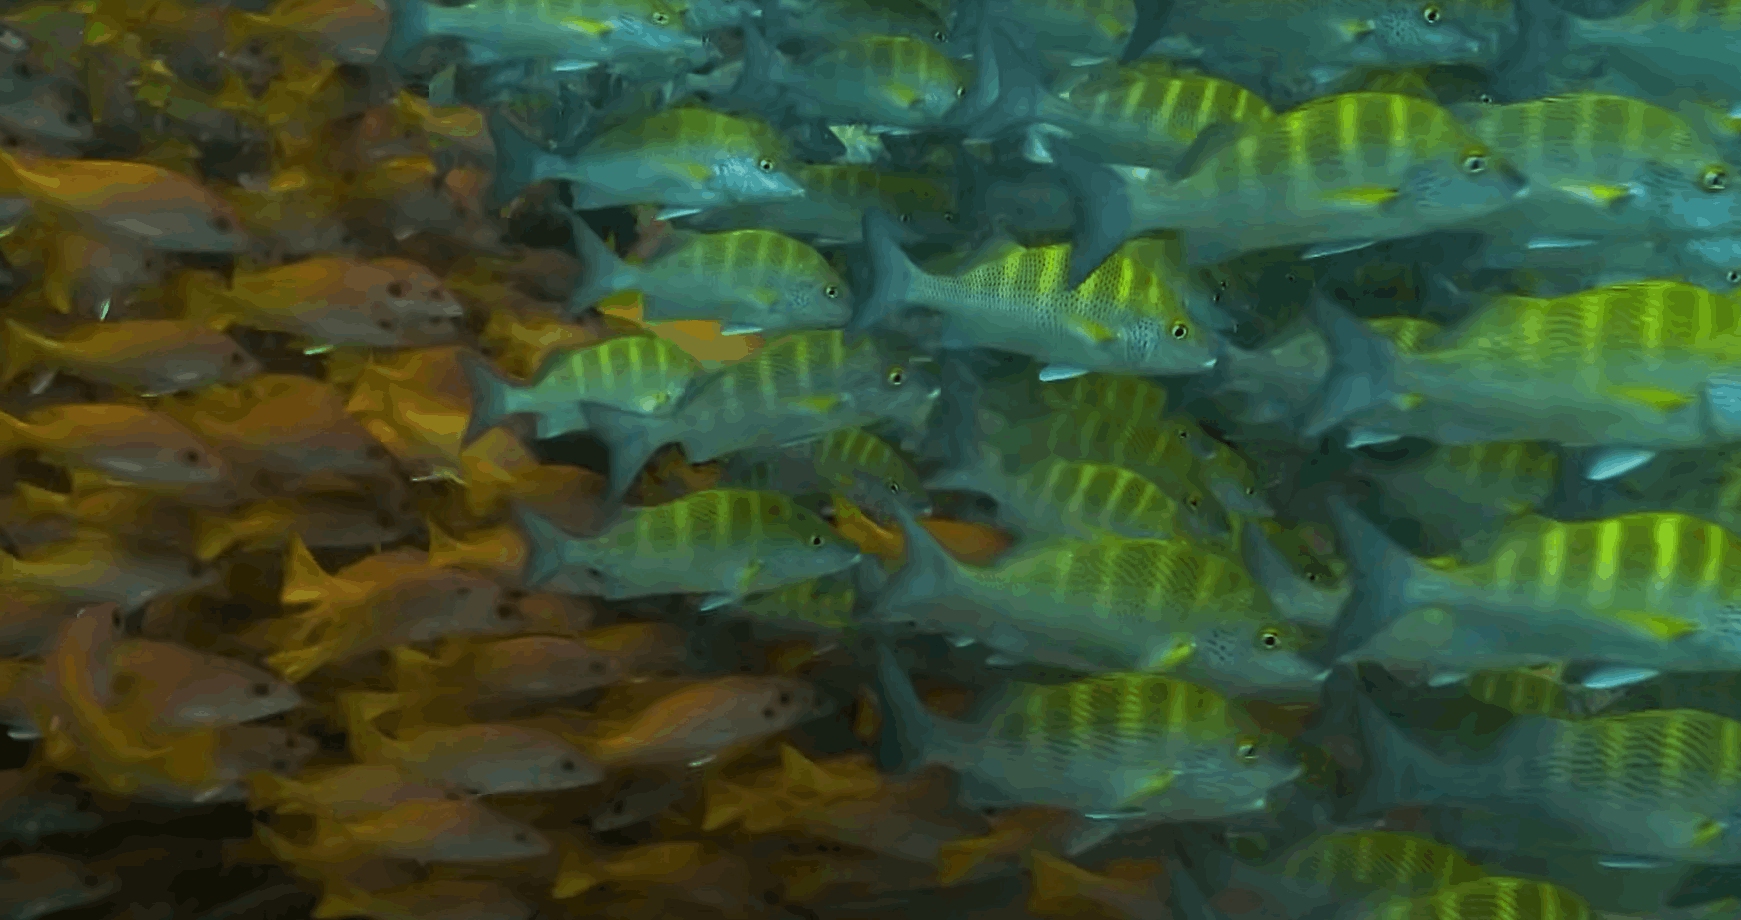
{"x": 724, "y": 543}
{"x": 1115, "y": 742}
{"x": 1340, "y": 867}
{"x": 1337, "y": 173}
{"x": 1495, "y": 898}
{"x": 1106, "y": 604}
{"x": 1124, "y": 318}
{"x": 1646, "y": 784}
{"x": 836, "y": 196}
{"x": 1612, "y": 159}
{"x": 890, "y": 82}
{"x": 850, "y": 462}
{"x": 643, "y": 374}
{"x": 820, "y": 607}
{"x": 682, "y": 159}
{"x": 1461, "y": 494}
{"x": 1643, "y": 365}
{"x": 1525, "y": 692}
{"x": 1641, "y": 592}
{"x": 797, "y": 388}
{"x": 748, "y": 281}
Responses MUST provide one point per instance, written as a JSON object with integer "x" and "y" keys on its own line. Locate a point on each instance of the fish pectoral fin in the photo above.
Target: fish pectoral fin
{"x": 1364, "y": 198}
{"x": 688, "y": 169}
{"x": 1656, "y": 625}
{"x": 1601, "y": 195}
{"x": 1173, "y": 655}
{"x": 592, "y": 28}
{"x": 821, "y": 402}
{"x": 739, "y": 329}
{"x": 1052, "y": 373}
{"x": 1095, "y": 333}
{"x": 1660, "y": 398}
{"x": 903, "y": 95}
{"x": 1355, "y": 29}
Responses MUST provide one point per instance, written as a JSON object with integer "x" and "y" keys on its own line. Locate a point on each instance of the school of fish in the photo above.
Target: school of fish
{"x": 842, "y": 459}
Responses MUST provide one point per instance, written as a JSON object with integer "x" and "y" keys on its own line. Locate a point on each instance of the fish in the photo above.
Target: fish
{"x": 124, "y": 443}
{"x": 1122, "y": 318}
{"x": 699, "y": 720}
{"x": 581, "y": 33}
{"x": 836, "y": 196}
{"x": 1645, "y": 805}
{"x": 31, "y": 809}
{"x": 749, "y": 281}
{"x": 323, "y": 520}
{"x": 638, "y": 374}
{"x": 38, "y": 884}
{"x": 522, "y": 668}
{"x": 797, "y": 387}
{"x": 723, "y": 543}
{"x": 481, "y": 758}
{"x": 425, "y": 899}
{"x": 325, "y": 300}
{"x": 446, "y": 831}
{"x": 169, "y": 686}
{"x": 893, "y": 83}
{"x": 1114, "y": 603}
{"x": 165, "y": 210}
{"x": 1496, "y": 897}
{"x": 682, "y": 159}
{"x": 1108, "y": 755}
{"x": 1408, "y": 167}
{"x": 151, "y": 357}
{"x": 350, "y": 32}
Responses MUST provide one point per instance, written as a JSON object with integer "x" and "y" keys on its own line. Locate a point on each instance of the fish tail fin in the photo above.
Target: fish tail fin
{"x": 908, "y": 739}
{"x": 1100, "y": 200}
{"x": 547, "y": 546}
{"x": 14, "y": 433}
{"x": 360, "y": 710}
{"x": 632, "y": 440}
{"x": 1009, "y": 88}
{"x": 972, "y": 468}
{"x": 22, "y": 348}
{"x": 1362, "y": 368}
{"x": 287, "y": 852}
{"x": 890, "y": 273}
{"x": 267, "y": 790}
{"x": 926, "y": 574}
{"x": 204, "y": 299}
{"x": 1384, "y": 575}
{"x": 212, "y": 535}
{"x": 11, "y": 175}
{"x": 606, "y": 272}
{"x": 491, "y": 395}
{"x": 1399, "y": 770}
{"x": 517, "y": 156}
{"x": 759, "y": 80}
{"x": 410, "y": 26}
{"x": 410, "y": 670}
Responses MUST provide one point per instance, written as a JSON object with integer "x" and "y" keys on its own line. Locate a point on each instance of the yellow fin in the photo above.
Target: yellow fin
{"x": 1600, "y": 195}
{"x": 904, "y": 95}
{"x": 1364, "y": 197}
{"x": 305, "y": 582}
{"x": 821, "y": 402}
{"x": 695, "y": 172}
{"x": 592, "y": 27}
{"x": 1657, "y": 625}
{"x": 1055, "y": 885}
{"x": 1353, "y": 29}
{"x": 1660, "y": 398}
{"x": 1094, "y": 332}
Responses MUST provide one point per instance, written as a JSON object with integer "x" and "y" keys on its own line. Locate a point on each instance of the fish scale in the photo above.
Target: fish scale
{"x": 1493, "y": 899}
{"x": 1132, "y": 108}
{"x": 1095, "y": 436}
{"x": 1656, "y": 561}
{"x": 1375, "y": 860}
{"x": 1101, "y": 716}
{"x": 1096, "y": 496}
{"x": 1652, "y": 318}
{"x": 1662, "y": 755}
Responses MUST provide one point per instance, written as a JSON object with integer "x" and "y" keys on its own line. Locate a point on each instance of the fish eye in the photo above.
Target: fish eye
{"x": 385, "y": 323}
{"x": 906, "y": 218}
{"x": 940, "y": 35}
{"x": 1485, "y": 98}
{"x": 91, "y": 881}
{"x": 1734, "y": 276}
{"x": 785, "y": 698}
{"x": 1270, "y": 638}
{"x": 262, "y": 689}
{"x": 1431, "y": 15}
{"x": 949, "y": 217}
{"x": 597, "y": 667}
{"x": 223, "y": 224}
{"x": 567, "y": 765}
{"x": 383, "y": 520}
{"x": 1312, "y": 577}
{"x": 281, "y": 765}
{"x": 1474, "y": 164}
{"x": 894, "y": 487}
{"x": 1247, "y": 751}
{"x": 1715, "y": 179}
{"x": 660, "y": 19}
{"x": 619, "y": 806}
{"x": 522, "y": 838}
{"x": 897, "y": 376}
{"x": 1251, "y": 490}
{"x": 816, "y": 540}
{"x": 768, "y": 713}
{"x": 396, "y": 289}
{"x": 189, "y": 458}
{"x": 832, "y": 291}
{"x": 1194, "y": 501}
{"x": 21, "y": 70}
{"x": 506, "y": 612}
{"x": 1180, "y": 330}
{"x": 462, "y": 592}
{"x": 765, "y": 164}
{"x": 1184, "y": 435}
{"x": 961, "y": 91}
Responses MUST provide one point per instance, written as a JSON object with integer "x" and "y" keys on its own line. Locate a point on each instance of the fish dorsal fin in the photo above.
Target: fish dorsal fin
{"x": 36, "y": 500}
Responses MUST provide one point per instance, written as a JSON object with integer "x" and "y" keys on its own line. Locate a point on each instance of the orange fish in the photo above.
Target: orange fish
{"x": 162, "y": 209}
{"x": 124, "y": 443}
